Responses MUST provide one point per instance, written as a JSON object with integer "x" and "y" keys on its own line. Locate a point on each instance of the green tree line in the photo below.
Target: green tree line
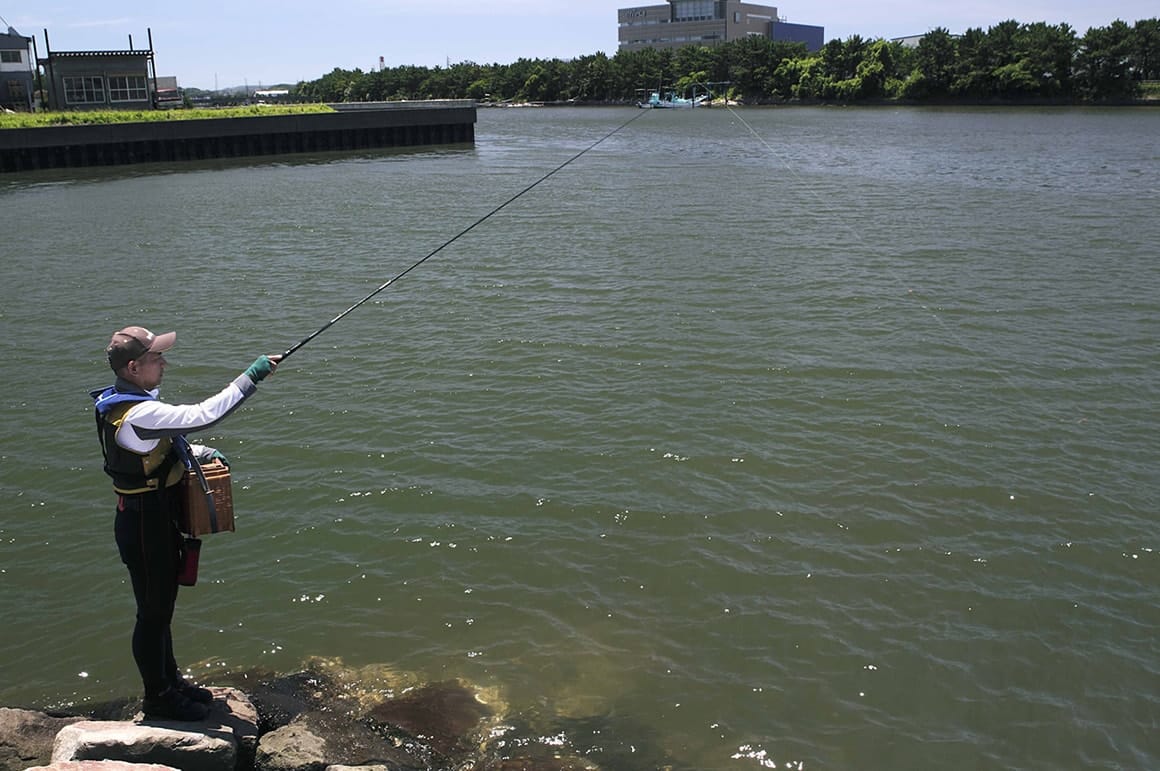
{"x": 1010, "y": 61}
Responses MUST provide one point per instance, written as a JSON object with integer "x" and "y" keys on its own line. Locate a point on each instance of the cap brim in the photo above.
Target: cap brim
{"x": 162, "y": 343}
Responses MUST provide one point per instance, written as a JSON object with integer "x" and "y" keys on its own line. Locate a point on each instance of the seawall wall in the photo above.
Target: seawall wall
{"x": 351, "y": 127}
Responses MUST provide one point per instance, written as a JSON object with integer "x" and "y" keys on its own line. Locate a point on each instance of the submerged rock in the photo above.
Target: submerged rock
{"x": 448, "y": 716}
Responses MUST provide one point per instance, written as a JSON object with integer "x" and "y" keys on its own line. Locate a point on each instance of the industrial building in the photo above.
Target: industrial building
{"x": 100, "y": 80}
{"x": 707, "y": 23}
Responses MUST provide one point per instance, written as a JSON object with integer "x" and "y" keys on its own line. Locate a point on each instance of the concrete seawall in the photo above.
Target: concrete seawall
{"x": 352, "y": 127}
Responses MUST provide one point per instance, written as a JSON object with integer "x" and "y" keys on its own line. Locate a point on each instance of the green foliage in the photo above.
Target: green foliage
{"x": 934, "y": 69}
{"x": 1008, "y": 62}
{"x": 1147, "y": 44}
{"x": 101, "y": 117}
{"x": 1105, "y": 68}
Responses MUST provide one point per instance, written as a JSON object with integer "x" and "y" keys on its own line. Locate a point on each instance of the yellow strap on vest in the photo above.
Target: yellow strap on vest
{"x": 149, "y": 461}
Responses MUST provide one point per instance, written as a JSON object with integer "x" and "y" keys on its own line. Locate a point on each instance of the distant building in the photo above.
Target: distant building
{"x": 912, "y": 41}
{"x": 166, "y": 93}
{"x": 100, "y": 80}
{"x": 813, "y": 37}
{"x": 16, "y": 70}
{"x": 707, "y": 23}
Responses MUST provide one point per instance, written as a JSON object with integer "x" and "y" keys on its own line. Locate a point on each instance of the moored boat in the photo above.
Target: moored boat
{"x": 669, "y": 100}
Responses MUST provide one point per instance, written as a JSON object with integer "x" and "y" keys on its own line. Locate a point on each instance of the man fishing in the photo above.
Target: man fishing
{"x": 146, "y": 454}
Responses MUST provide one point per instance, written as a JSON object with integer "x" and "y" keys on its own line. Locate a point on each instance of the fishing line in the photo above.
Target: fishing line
{"x": 822, "y": 206}
{"x": 453, "y": 239}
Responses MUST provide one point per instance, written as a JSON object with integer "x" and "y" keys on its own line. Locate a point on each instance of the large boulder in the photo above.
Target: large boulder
{"x": 225, "y": 741}
{"x": 293, "y": 747}
{"x": 169, "y": 744}
{"x": 102, "y": 765}
{"x": 26, "y": 737}
{"x": 316, "y": 741}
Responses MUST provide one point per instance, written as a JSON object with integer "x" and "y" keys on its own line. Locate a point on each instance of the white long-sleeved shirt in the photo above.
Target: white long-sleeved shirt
{"x": 146, "y": 423}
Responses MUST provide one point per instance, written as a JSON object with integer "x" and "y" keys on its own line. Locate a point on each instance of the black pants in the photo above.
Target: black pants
{"x": 150, "y": 546}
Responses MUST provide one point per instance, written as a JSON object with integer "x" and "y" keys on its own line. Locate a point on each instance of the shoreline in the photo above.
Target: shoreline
{"x": 325, "y": 715}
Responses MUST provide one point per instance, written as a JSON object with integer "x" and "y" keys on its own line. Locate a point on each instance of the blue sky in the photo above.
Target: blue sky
{"x": 212, "y": 43}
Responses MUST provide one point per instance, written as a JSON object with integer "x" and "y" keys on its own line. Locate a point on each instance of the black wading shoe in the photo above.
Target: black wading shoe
{"x": 171, "y": 704}
{"x": 194, "y": 692}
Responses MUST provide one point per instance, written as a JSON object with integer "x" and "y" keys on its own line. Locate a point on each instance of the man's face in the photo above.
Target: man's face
{"x": 146, "y": 371}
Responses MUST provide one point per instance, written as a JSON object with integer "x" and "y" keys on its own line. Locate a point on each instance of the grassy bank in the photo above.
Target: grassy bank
{"x": 97, "y": 117}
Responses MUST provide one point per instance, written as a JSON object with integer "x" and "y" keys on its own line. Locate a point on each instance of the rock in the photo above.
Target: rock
{"x": 328, "y": 702}
{"x": 280, "y": 699}
{"x": 293, "y": 747}
{"x": 102, "y": 765}
{"x": 357, "y": 768}
{"x": 224, "y": 741}
{"x": 26, "y": 737}
{"x": 233, "y": 710}
{"x": 447, "y": 715}
{"x": 180, "y": 745}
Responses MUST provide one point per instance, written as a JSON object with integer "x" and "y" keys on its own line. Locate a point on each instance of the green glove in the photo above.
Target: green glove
{"x": 261, "y": 367}
{"x": 216, "y": 455}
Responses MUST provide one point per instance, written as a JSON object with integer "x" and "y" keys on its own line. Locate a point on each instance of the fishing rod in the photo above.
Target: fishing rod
{"x": 450, "y": 241}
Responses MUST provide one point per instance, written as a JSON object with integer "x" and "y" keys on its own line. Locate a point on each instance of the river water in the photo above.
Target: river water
{"x": 788, "y": 438}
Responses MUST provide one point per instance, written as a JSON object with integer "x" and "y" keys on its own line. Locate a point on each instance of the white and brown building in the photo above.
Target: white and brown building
{"x": 679, "y": 23}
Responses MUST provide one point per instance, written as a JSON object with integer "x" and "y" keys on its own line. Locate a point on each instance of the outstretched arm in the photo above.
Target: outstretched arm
{"x": 148, "y": 422}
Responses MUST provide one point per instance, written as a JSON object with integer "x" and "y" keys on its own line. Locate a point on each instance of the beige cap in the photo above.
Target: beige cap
{"x": 134, "y": 342}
